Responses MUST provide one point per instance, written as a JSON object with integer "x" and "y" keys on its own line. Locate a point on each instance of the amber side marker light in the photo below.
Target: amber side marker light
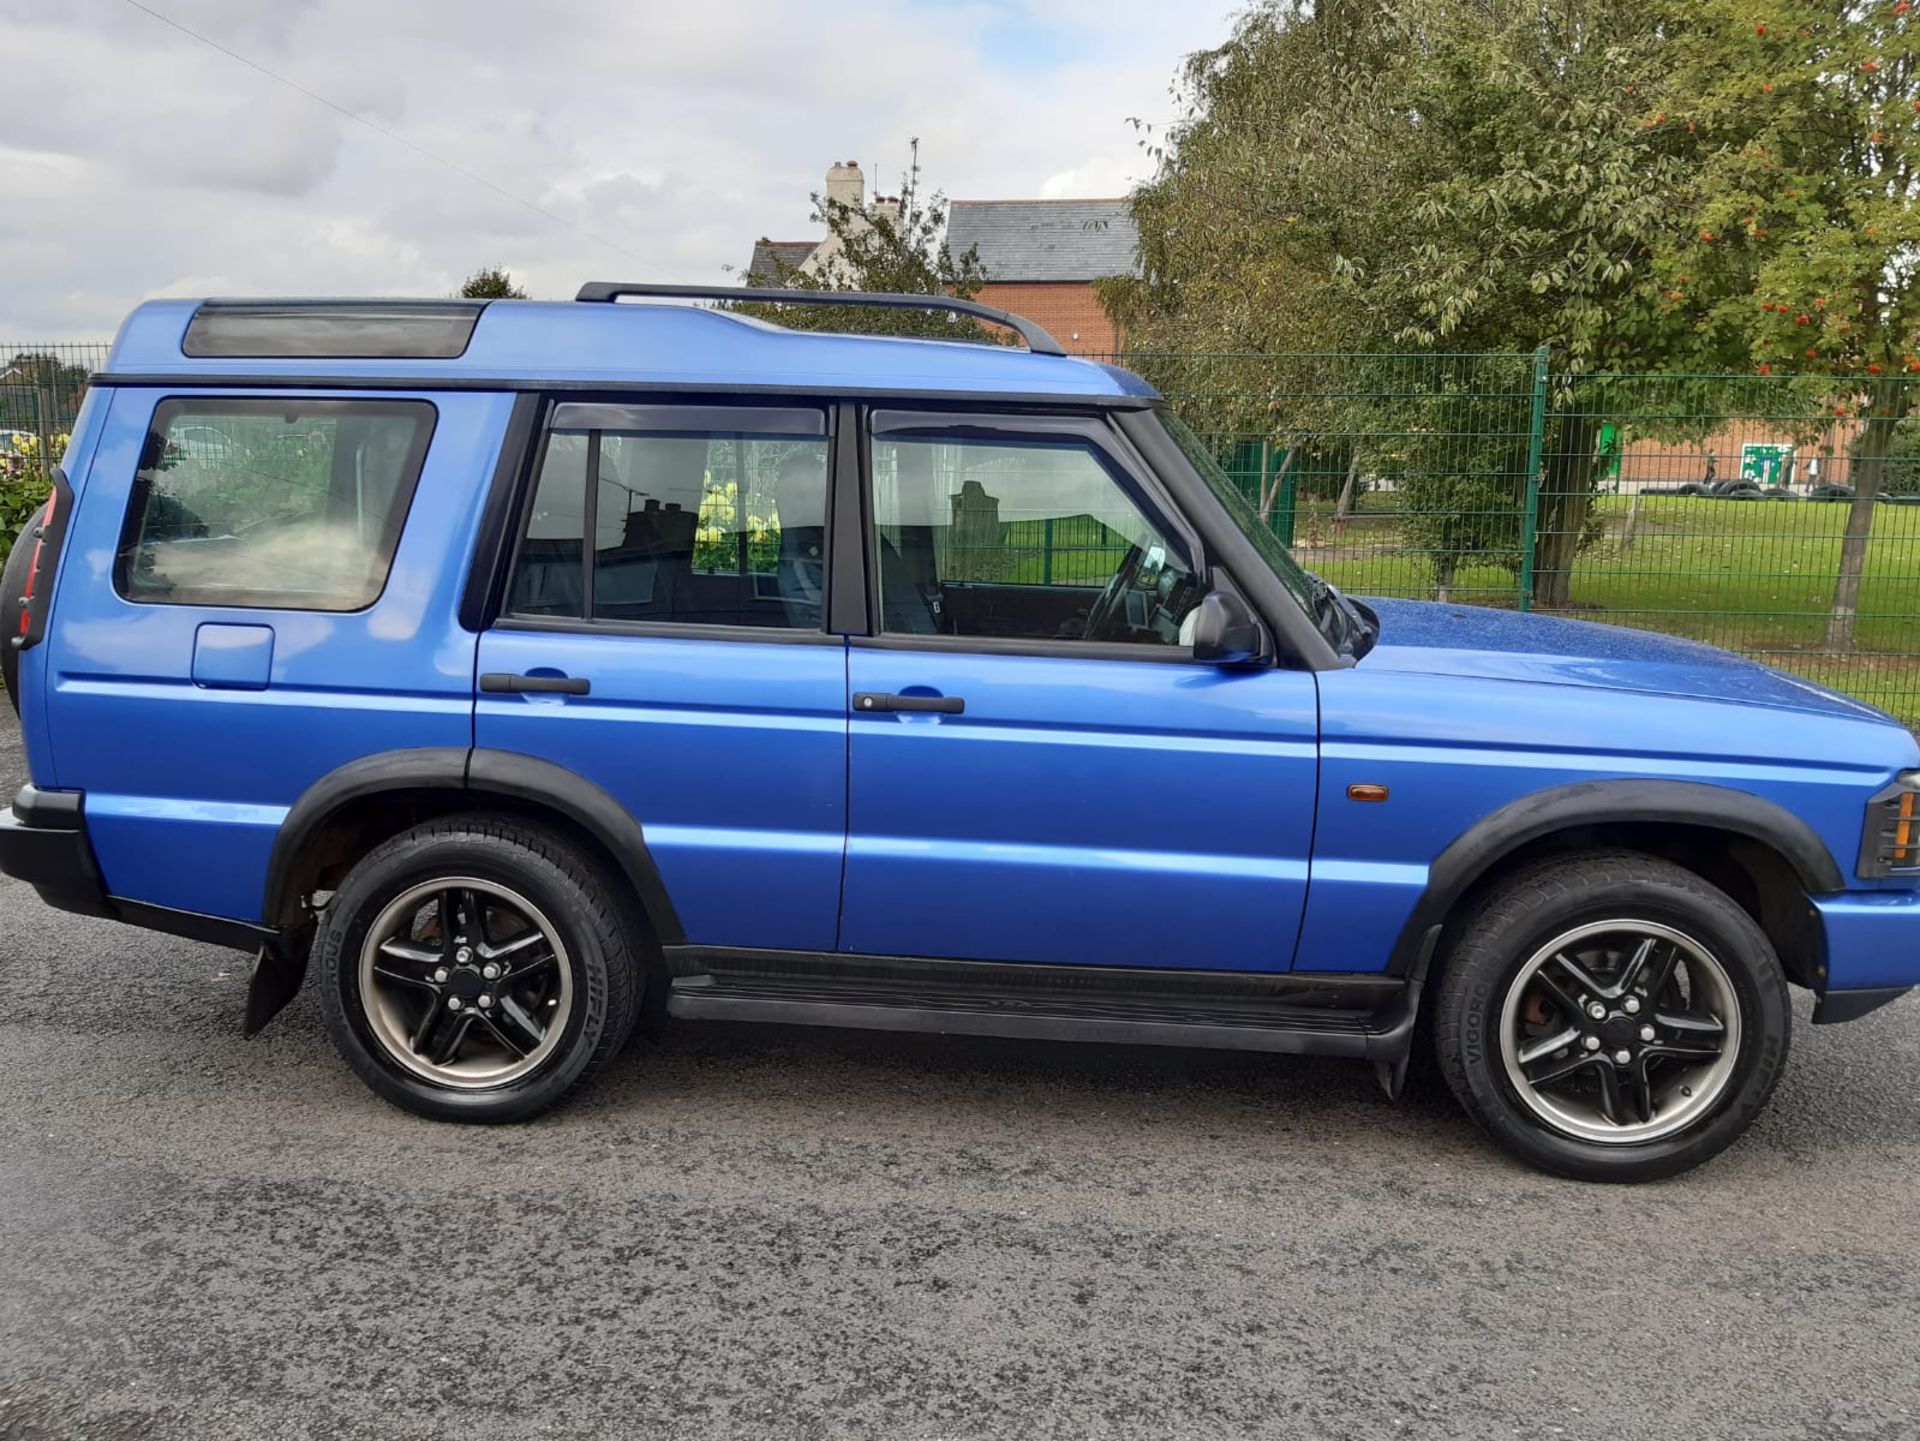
{"x": 1366, "y": 792}
{"x": 1890, "y": 843}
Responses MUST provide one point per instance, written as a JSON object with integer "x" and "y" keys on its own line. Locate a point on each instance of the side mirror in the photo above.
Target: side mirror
{"x": 1224, "y": 631}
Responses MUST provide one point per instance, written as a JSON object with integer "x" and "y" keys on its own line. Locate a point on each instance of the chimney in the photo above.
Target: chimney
{"x": 846, "y": 185}
{"x": 887, "y": 206}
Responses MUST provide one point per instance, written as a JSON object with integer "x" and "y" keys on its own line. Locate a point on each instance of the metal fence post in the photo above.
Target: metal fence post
{"x": 1536, "y": 444}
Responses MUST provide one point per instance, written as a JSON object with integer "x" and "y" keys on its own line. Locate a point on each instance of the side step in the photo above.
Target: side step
{"x": 1280, "y": 1020}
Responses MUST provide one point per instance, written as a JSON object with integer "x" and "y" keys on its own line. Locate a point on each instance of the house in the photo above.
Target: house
{"x": 776, "y": 260}
{"x": 1041, "y": 257}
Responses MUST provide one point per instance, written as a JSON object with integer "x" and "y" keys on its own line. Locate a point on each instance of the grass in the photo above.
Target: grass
{"x": 1753, "y": 576}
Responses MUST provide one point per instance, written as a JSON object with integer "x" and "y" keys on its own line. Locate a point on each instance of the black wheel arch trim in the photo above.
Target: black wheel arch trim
{"x": 1535, "y": 817}
{"x": 475, "y": 772}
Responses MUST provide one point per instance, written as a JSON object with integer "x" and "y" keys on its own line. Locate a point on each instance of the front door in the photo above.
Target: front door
{"x": 680, "y": 661}
{"x": 1039, "y": 769}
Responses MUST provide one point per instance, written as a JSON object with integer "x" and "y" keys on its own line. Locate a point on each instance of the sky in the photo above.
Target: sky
{"x": 661, "y": 139}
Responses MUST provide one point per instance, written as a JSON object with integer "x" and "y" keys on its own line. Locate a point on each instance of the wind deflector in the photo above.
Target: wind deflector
{"x": 331, "y": 329}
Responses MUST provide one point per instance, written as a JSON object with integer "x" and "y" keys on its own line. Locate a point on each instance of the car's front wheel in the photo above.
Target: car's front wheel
{"x": 477, "y": 969}
{"x": 1611, "y": 1016}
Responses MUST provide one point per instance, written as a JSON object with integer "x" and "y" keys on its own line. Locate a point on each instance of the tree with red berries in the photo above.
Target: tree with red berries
{"x": 1799, "y": 252}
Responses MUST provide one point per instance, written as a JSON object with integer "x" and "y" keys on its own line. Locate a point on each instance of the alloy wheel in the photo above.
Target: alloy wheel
{"x": 1620, "y": 1032}
{"x": 465, "y": 983}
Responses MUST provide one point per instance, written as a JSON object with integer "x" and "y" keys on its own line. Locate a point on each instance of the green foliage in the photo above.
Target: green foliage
{"x": 492, "y": 282}
{"x": 24, "y": 485}
{"x": 22, "y": 492}
{"x": 1454, "y": 176}
{"x": 899, "y": 250}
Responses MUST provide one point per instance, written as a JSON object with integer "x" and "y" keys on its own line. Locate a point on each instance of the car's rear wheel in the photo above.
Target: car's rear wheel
{"x": 1611, "y": 1016}
{"x": 477, "y": 969}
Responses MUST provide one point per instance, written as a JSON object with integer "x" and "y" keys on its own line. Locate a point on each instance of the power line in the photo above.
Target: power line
{"x": 381, "y": 130}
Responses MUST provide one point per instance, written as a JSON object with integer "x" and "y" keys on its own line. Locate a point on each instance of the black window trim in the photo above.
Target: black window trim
{"x": 558, "y": 404}
{"x": 1121, "y": 459}
{"x": 203, "y": 402}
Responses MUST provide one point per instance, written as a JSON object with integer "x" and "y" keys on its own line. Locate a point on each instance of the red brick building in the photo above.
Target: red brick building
{"x": 1041, "y": 257}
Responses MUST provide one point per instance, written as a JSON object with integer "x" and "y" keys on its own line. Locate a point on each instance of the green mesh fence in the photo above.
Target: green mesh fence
{"x": 1778, "y": 516}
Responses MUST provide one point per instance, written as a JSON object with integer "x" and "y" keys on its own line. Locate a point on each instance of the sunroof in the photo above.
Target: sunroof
{"x": 336, "y": 330}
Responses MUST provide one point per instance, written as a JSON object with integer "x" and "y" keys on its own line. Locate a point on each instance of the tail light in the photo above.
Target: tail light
{"x": 1890, "y": 842}
{"x": 36, "y": 593}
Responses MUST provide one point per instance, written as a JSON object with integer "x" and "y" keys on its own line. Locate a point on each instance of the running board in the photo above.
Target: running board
{"x": 1372, "y": 1019}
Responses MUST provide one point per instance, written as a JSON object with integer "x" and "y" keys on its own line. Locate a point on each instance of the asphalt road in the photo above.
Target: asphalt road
{"x": 768, "y": 1233}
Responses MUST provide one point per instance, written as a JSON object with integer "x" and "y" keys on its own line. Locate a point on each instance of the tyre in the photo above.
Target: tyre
{"x": 1611, "y": 1017}
{"x": 477, "y": 968}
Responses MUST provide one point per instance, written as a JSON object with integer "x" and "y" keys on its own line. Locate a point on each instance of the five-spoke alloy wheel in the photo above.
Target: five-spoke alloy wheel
{"x": 1611, "y": 1016}
{"x": 478, "y": 969}
{"x": 465, "y": 982}
{"x": 1620, "y": 1031}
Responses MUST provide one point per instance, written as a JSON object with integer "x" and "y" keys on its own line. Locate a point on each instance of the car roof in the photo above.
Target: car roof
{"x": 600, "y": 345}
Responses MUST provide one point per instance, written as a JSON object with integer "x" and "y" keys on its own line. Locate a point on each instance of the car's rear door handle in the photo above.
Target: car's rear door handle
{"x": 872, "y": 700}
{"x": 504, "y": 682}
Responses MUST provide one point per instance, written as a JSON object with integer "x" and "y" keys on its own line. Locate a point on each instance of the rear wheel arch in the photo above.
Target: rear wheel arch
{"x": 354, "y": 808}
{"x": 1762, "y": 855}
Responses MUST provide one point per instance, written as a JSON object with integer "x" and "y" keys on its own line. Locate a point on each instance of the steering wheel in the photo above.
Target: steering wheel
{"x": 1112, "y": 599}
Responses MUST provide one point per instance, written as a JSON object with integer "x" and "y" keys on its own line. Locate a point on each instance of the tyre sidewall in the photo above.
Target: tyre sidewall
{"x": 393, "y": 869}
{"x": 1711, "y": 919}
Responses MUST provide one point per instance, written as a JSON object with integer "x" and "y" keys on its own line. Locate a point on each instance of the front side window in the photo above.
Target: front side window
{"x": 708, "y": 527}
{"x": 287, "y": 504}
{"x": 1030, "y": 540}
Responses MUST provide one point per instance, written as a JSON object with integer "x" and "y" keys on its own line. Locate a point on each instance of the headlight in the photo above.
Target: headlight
{"x": 1890, "y": 842}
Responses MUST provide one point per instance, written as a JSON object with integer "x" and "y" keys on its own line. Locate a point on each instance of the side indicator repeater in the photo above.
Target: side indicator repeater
{"x": 1366, "y": 792}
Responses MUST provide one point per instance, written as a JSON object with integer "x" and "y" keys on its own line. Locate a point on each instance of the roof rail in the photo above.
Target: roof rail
{"x": 1037, "y": 339}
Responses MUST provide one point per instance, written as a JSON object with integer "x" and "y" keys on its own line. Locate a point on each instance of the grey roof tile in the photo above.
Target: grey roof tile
{"x": 773, "y": 258}
{"x": 1045, "y": 239}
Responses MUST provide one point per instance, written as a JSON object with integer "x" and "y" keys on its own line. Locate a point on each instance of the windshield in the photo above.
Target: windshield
{"x": 1300, "y": 582}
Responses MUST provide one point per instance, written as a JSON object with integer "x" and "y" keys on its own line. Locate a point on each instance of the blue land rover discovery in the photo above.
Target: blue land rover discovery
{"x": 528, "y": 666}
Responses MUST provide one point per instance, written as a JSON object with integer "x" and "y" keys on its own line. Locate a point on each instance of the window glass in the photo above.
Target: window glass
{"x": 707, "y": 528}
{"x": 290, "y": 504}
{"x": 1030, "y": 540}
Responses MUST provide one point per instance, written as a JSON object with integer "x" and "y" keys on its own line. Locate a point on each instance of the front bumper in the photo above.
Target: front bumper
{"x": 43, "y": 841}
{"x": 1872, "y": 951}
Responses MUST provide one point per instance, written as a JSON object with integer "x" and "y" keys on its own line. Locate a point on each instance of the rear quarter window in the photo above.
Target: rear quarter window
{"x": 281, "y": 504}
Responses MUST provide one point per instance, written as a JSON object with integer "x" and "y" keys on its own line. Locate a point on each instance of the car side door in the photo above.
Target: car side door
{"x": 663, "y": 635}
{"x": 1040, "y": 769}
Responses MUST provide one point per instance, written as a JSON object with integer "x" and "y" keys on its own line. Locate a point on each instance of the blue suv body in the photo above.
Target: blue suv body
{"x": 528, "y": 665}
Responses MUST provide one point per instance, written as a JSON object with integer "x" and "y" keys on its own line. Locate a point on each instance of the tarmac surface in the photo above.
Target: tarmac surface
{"x": 772, "y": 1233}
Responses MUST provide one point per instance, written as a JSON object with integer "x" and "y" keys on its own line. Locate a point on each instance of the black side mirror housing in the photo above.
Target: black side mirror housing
{"x": 1224, "y": 631}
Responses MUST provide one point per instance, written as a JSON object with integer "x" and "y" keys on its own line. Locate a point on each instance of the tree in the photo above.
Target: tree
{"x": 897, "y": 246}
{"x": 1461, "y": 175}
{"x": 1800, "y": 251}
{"x": 491, "y": 282}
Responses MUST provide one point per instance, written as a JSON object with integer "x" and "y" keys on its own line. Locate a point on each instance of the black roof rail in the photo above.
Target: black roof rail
{"x": 1036, "y": 338}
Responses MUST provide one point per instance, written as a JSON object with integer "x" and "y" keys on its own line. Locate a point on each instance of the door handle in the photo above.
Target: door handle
{"x": 870, "y": 701}
{"x": 503, "y": 682}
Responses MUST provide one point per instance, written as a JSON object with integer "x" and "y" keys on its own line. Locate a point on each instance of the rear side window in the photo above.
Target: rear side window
{"x": 287, "y": 504}
{"x": 695, "y": 518}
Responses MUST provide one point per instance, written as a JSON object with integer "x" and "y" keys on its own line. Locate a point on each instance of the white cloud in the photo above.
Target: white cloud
{"x": 139, "y": 162}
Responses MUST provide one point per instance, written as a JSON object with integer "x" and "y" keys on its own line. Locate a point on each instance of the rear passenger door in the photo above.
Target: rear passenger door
{"x": 257, "y": 589}
{"x": 663, "y": 635}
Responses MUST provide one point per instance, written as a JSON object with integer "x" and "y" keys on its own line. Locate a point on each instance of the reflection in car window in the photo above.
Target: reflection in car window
{"x": 285, "y": 504}
{"x": 708, "y": 528}
{"x": 1020, "y": 540}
